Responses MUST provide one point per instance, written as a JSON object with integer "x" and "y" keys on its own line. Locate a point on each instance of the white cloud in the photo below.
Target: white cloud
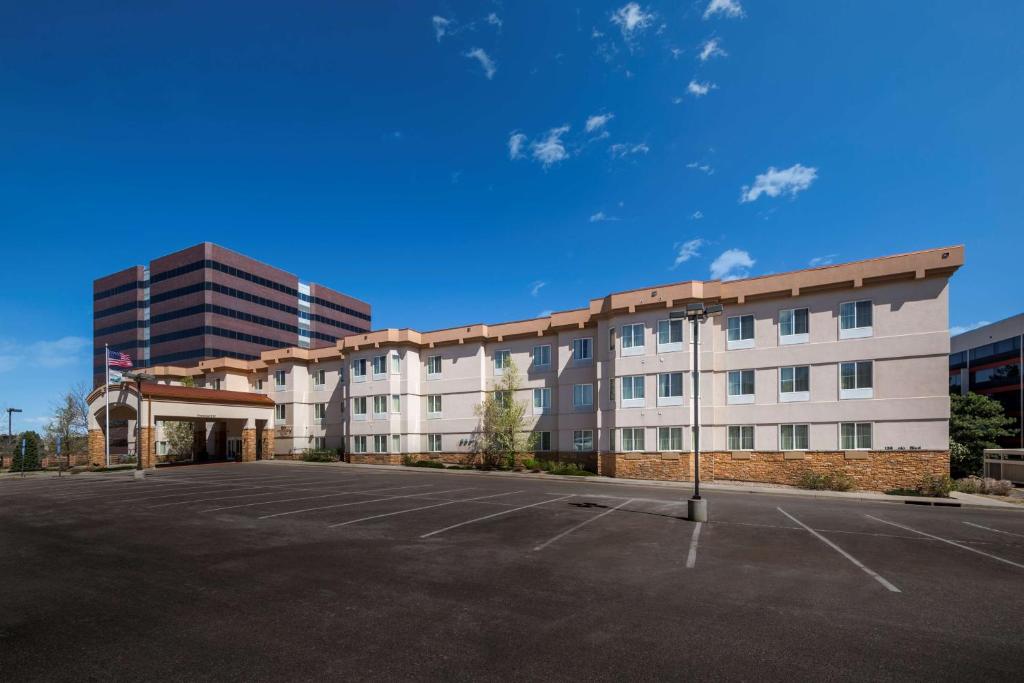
{"x": 727, "y": 8}
{"x": 731, "y": 264}
{"x": 551, "y": 149}
{"x": 494, "y": 20}
{"x": 960, "y": 329}
{"x": 545, "y": 314}
{"x": 598, "y": 121}
{"x": 596, "y": 34}
{"x": 700, "y": 89}
{"x": 620, "y": 150}
{"x": 825, "y": 260}
{"x": 632, "y": 19}
{"x": 601, "y": 217}
{"x": 696, "y": 215}
{"x": 703, "y": 168}
{"x": 536, "y": 287}
{"x": 677, "y": 100}
{"x": 711, "y": 49}
{"x": 774, "y": 182}
{"x": 687, "y": 250}
{"x": 46, "y": 354}
{"x": 485, "y": 61}
{"x": 676, "y": 53}
{"x": 440, "y": 27}
{"x": 515, "y": 145}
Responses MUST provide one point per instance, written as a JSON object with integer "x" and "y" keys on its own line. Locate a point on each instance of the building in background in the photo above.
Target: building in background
{"x": 988, "y": 361}
{"x": 210, "y": 302}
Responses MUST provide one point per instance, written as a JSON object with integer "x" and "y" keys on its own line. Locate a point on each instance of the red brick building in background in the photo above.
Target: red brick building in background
{"x": 210, "y": 302}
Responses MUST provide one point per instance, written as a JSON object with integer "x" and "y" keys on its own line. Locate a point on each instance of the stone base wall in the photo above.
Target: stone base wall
{"x": 97, "y": 448}
{"x": 374, "y": 458}
{"x": 268, "y": 444}
{"x": 248, "y": 445}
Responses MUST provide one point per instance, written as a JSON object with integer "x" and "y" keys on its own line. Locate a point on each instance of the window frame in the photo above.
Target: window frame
{"x": 359, "y": 370}
{"x": 857, "y": 331}
{"x": 430, "y": 361}
{"x": 396, "y": 404}
{"x": 794, "y": 444}
{"x": 431, "y": 446}
{"x": 545, "y": 407}
{"x": 538, "y": 365}
{"x": 587, "y": 342}
{"x": 434, "y": 414}
{"x": 671, "y": 346}
{"x": 359, "y": 443}
{"x": 381, "y": 439}
{"x": 628, "y": 333}
{"x": 628, "y": 397}
{"x": 319, "y": 379}
{"x": 857, "y": 436}
{"x": 740, "y": 399}
{"x": 539, "y": 445}
{"x": 742, "y": 429}
{"x": 857, "y": 391}
{"x": 506, "y": 357}
{"x": 357, "y": 414}
{"x": 633, "y": 441}
{"x": 671, "y": 399}
{"x": 579, "y": 406}
{"x": 280, "y": 413}
{"x": 280, "y": 380}
{"x": 794, "y": 337}
{"x": 795, "y": 395}
{"x": 383, "y": 364}
{"x": 580, "y": 439}
{"x": 661, "y": 441}
{"x": 740, "y": 342}
{"x": 319, "y": 412}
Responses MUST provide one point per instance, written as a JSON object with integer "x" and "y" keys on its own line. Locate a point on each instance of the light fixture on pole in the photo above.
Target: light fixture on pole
{"x": 10, "y": 435}
{"x": 696, "y": 313}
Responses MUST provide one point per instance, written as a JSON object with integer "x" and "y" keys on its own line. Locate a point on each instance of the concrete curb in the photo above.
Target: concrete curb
{"x": 957, "y": 499}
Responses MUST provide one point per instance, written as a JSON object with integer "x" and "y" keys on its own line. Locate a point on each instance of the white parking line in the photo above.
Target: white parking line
{"x": 363, "y": 502}
{"x": 691, "y": 557}
{"x": 845, "y": 554}
{"x": 998, "y": 531}
{"x": 183, "y": 491}
{"x": 581, "y": 524}
{"x": 496, "y": 514}
{"x": 946, "y": 540}
{"x": 327, "y": 495}
{"x": 276, "y": 491}
{"x": 424, "y": 507}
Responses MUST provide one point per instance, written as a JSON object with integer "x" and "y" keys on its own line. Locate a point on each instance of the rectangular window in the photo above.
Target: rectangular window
{"x": 583, "y": 396}
{"x": 396, "y": 403}
{"x": 670, "y": 335}
{"x": 793, "y": 437}
{"x": 855, "y": 319}
{"x": 434, "y": 443}
{"x": 358, "y": 444}
{"x": 501, "y": 361}
{"x": 856, "y": 380}
{"x": 433, "y": 367}
{"x": 741, "y": 437}
{"x": 583, "y": 440}
{"x": 319, "y": 443}
{"x": 359, "y": 408}
{"x": 541, "y": 401}
{"x": 670, "y": 438}
{"x": 396, "y": 364}
{"x": 795, "y": 383}
{"x": 396, "y": 443}
{"x": 280, "y": 413}
{"x": 542, "y": 356}
{"x": 794, "y": 326}
{"x": 633, "y": 391}
{"x": 670, "y": 389}
{"x": 319, "y": 411}
{"x": 319, "y": 379}
{"x": 380, "y": 443}
{"x": 741, "y": 386}
{"x": 740, "y": 332}
{"x": 434, "y": 406}
{"x": 217, "y": 384}
{"x": 380, "y": 406}
{"x": 542, "y": 441}
{"x": 632, "y": 439}
{"x": 359, "y": 370}
{"x": 632, "y": 339}
{"x": 279, "y": 379}
{"x": 582, "y": 350}
{"x": 855, "y": 436}
{"x": 259, "y": 384}
{"x": 611, "y": 339}
{"x": 380, "y": 367}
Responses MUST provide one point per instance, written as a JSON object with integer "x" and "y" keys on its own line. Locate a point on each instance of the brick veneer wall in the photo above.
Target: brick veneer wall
{"x": 374, "y": 458}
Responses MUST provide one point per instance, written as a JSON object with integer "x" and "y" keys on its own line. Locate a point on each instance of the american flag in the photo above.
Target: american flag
{"x": 116, "y": 359}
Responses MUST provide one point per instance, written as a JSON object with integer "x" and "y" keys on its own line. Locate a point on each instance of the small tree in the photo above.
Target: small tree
{"x": 70, "y": 422}
{"x": 33, "y": 452}
{"x": 976, "y": 422}
{"x": 180, "y": 437}
{"x": 502, "y": 431}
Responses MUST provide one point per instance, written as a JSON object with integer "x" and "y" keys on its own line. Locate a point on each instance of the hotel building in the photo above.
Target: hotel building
{"x": 839, "y": 368}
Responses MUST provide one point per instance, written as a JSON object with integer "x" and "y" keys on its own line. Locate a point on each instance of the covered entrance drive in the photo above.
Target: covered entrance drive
{"x": 232, "y": 425}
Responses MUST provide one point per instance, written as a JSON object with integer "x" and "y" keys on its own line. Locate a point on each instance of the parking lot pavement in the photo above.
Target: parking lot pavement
{"x": 278, "y": 571}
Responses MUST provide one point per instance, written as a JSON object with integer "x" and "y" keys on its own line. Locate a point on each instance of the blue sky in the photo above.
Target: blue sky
{"x": 457, "y": 162}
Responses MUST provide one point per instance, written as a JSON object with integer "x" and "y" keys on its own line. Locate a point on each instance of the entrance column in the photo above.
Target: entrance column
{"x": 249, "y": 440}
{"x": 97, "y": 448}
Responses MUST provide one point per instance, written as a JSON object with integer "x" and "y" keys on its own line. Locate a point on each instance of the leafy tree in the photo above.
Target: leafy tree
{"x": 502, "y": 432}
{"x": 33, "y": 452}
{"x": 976, "y": 422}
{"x": 180, "y": 437}
{"x": 70, "y": 422}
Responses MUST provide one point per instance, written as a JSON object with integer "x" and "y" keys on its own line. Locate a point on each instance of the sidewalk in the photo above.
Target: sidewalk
{"x": 956, "y": 498}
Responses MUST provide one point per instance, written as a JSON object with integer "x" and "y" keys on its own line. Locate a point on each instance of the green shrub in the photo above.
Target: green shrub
{"x": 323, "y": 455}
{"x": 986, "y": 485}
{"x": 936, "y": 487}
{"x": 567, "y": 468}
{"x": 825, "y": 482}
{"x": 436, "y": 464}
{"x": 532, "y": 464}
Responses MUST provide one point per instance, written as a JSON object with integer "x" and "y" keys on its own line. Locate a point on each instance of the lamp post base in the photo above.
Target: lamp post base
{"x": 697, "y": 510}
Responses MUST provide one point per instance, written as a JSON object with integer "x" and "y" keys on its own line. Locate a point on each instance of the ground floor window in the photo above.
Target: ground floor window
{"x": 358, "y": 444}
{"x": 542, "y": 441}
{"x": 855, "y": 436}
{"x": 583, "y": 440}
{"x": 434, "y": 441}
{"x": 741, "y": 437}
{"x": 793, "y": 437}
{"x": 380, "y": 443}
{"x": 633, "y": 439}
{"x": 161, "y": 448}
{"x": 396, "y": 443}
{"x": 319, "y": 443}
{"x": 670, "y": 438}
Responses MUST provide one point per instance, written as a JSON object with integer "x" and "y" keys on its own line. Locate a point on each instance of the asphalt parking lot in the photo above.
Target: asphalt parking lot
{"x": 289, "y": 571}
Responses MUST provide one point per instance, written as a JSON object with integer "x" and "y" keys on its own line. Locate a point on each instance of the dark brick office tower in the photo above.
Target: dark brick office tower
{"x": 207, "y": 301}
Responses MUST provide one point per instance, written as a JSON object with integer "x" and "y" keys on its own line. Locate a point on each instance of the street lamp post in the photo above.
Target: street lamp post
{"x": 696, "y": 313}
{"x": 140, "y": 473}
{"x": 10, "y": 435}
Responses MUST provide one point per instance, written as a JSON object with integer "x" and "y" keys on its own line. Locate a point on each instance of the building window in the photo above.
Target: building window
{"x": 396, "y": 443}
{"x": 396, "y": 364}
{"x": 670, "y": 335}
{"x": 670, "y": 389}
{"x": 854, "y": 436}
{"x": 502, "y": 359}
{"x": 279, "y": 380}
{"x": 582, "y": 350}
{"x": 541, "y": 401}
{"x": 433, "y": 367}
{"x": 380, "y": 367}
{"x": 358, "y": 444}
{"x": 359, "y": 370}
{"x": 855, "y": 319}
{"x": 955, "y": 384}
{"x": 319, "y": 443}
{"x": 795, "y": 383}
{"x": 740, "y": 332}
{"x": 359, "y": 408}
{"x": 633, "y": 391}
{"x": 380, "y": 443}
{"x": 434, "y": 406}
{"x": 503, "y": 398}
{"x": 583, "y": 440}
{"x": 161, "y": 448}
{"x": 794, "y": 326}
{"x": 396, "y": 403}
{"x": 611, "y": 340}
{"x": 319, "y": 379}
{"x": 632, "y": 439}
{"x": 542, "y": 441}
{"x": 632, "y": 339}
{"x": 216, "y": 384}
{"x": 670, "y": 438}
{"x": 793, "y": 437}
{"x": 741, "y": 386}
{"x": 542, "y": 356}
{"x": 259, "y": 384}
{"x": 380, "y": 407}
{"x": 280, "y": 413}
{"x": 741, "y": 437}
{"x": 583, "y": 396}
{"x": 319, "y": 411}
{"x": 434, "y": 443}
{"x": 856, "y": 380}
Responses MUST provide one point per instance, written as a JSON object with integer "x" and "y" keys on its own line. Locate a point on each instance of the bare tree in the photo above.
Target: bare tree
{"x": 70, "y": 421}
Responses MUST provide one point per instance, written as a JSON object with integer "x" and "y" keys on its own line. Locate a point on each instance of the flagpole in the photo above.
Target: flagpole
{"x": 106, "y": 397}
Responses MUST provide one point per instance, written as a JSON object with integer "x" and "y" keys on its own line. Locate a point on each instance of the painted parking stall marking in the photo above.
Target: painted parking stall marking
{"x": 581, "y": 524}
{"x": 424, "y": 507}
{"x": 998, "y": 531}
{"x": 946, "y": 540}
{"x": 326, "y": 495}
{"x": 363, "y": 502}
{"x": 691, "y": 556}
{"x": 491, "y": 516}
